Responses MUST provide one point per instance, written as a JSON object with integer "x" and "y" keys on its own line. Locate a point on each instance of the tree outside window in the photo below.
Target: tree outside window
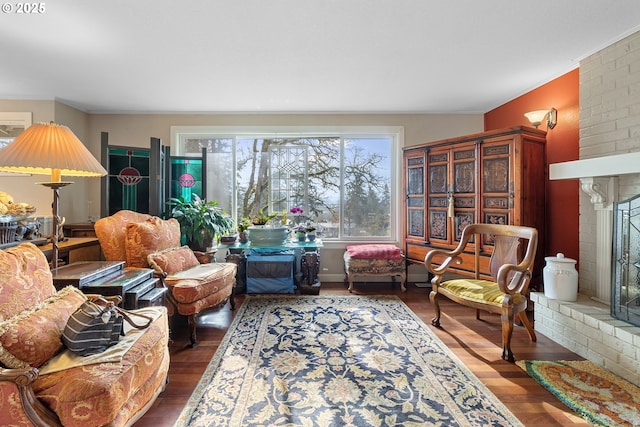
{"x": 342, "y": 184}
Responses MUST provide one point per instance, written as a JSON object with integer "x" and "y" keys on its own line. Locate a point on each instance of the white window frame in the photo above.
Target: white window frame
{"x": 395, "y": 133}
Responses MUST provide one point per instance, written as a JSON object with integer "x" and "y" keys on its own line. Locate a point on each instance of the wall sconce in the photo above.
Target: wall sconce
{"x": 536, "y": 117}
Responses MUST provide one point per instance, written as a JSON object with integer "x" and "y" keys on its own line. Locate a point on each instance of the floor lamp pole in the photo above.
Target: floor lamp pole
{"x": 55, "y": 186}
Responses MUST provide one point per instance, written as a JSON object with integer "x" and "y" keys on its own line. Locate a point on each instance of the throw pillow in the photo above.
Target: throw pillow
{"x": 172, "y": 260}
{"x": 152, "y": 235}
{"x": 33, "y": 337}
{"x": 25, "y": 279}
{"x": 111, "y": 229}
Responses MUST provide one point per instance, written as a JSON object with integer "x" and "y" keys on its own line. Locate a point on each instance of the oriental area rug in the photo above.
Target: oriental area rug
{"x": 597, "y": 395}
{"x": 337, "y": 361}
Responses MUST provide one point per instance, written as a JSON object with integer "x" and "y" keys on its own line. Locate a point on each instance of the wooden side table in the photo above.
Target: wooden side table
{"x": 75, "y": 249}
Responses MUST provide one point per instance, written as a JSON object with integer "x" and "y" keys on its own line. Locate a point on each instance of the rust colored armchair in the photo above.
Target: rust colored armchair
{"x": 41, "y": 382}
{"x": 145, "y": 241}
{"x": 500, "y": 287}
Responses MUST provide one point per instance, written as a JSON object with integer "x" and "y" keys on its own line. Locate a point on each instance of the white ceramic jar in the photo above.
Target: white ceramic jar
{"x": 560, "y": 278}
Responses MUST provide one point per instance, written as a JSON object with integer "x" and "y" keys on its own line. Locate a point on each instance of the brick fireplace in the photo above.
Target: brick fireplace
{"x": 609, "y": 171}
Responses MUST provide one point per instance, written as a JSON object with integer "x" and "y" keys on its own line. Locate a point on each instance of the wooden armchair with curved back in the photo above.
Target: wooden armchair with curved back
{"x": 500, "y": 287}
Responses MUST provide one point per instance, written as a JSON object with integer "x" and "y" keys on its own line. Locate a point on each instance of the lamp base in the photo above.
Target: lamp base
{"x": 55, "y": 186}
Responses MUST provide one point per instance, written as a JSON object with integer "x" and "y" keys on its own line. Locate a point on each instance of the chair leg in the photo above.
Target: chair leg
{"x": 433, "y": 297}
{"x": 232, "y": 300}
{"x": 193, "y": 322}
{"x": 507, "y": 331}
{"x": 527, "y": 324}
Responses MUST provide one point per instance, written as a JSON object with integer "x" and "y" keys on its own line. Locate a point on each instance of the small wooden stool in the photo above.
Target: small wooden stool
{"x": 374, "y": 260}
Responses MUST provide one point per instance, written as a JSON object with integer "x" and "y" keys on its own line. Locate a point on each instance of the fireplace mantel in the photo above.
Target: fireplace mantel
{"x": 606, "y": 166}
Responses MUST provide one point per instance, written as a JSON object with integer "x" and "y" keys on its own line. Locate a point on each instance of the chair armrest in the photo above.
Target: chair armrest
{"x": 205, "y": 257}
{"x": 30, "y": 407}
{"x": 450, "y": 257}
{"x": 519, "y": 282}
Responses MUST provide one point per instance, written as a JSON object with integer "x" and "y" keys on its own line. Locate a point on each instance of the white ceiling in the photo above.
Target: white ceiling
{"x": 423, "y": 56}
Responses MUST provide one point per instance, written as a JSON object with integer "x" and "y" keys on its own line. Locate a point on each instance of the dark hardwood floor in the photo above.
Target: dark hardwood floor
{"x": 476, "y": 343}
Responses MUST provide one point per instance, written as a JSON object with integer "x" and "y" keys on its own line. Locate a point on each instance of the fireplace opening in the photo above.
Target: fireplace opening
{"x": 625, "y": 286}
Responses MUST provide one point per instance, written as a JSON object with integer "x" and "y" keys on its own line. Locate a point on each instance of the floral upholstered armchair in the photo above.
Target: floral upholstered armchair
{"x": 145, "y": 241}
{"x": 44, "y": 384}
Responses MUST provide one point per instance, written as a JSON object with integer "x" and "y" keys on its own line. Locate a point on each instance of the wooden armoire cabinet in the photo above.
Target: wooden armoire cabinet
{"x": 495, "y": 177}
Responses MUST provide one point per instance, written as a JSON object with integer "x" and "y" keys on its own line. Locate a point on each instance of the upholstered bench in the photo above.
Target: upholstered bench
{"x": 374, "y": 260}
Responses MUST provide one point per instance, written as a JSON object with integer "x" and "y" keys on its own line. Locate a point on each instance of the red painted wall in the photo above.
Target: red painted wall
{"x": 562, "y": 145}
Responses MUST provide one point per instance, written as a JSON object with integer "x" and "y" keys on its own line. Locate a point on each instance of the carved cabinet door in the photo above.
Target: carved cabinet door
{"x": 497, "y": 181}
{"x": 451, "y": 189}
{"x": 414, "y": 163}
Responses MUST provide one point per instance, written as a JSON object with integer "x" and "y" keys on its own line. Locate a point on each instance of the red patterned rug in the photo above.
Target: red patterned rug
{"x": 597, "y": 395}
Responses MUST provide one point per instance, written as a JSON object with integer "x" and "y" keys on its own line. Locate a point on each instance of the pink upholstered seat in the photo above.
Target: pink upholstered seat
{"x": 374, "y": 260}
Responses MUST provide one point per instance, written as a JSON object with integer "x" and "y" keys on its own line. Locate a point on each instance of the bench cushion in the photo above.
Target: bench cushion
{"x": 202, "y": 286}
{"x": 374, "y": 251}
{"x": 478, "y": 290}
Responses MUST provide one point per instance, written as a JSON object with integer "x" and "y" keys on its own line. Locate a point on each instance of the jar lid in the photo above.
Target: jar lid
{"x": 559, "y": 258}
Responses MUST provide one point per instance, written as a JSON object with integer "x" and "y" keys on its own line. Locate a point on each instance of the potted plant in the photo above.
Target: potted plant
{"x": 261, "y": 218}
{"x": 243, "y": 227}
{"x": 311, "y": 232}
{"x": 262, "y": 234}
{"x": 201, "y": 222}
{"x": 301, "y": 233}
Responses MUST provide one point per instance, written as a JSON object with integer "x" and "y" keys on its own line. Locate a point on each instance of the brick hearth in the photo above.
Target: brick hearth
{"x": 586, "y": 328}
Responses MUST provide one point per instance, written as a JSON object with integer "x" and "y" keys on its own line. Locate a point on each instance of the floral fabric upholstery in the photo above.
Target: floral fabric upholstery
{"x": 152, "y": 235}
{"x": 162, "y": 240}
{"x": 25, "y": 279}
{"x": 110, "y": 393}
{"x": 192, "y": 295}
{"x": 374, "y": 266}
{"x": 32, "y": 337}
{"x": 33, "y": 315}
{"x": 172, "y": 260}
{"x": 388, "y": 264}
{"x": 111, "y": 231}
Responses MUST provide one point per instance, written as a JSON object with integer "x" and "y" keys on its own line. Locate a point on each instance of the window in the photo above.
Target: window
{"x": 344, "y": 179}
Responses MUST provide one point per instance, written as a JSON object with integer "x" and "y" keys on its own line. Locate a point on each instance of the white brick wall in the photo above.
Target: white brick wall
{"x": 609, "y": 124}
{"x": 586, "y": 328}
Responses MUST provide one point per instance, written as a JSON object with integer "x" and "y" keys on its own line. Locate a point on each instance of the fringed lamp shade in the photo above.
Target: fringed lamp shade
{"x": 49, "y": 149}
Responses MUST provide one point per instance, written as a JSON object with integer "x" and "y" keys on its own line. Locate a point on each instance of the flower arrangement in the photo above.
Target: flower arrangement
{"x": 296, "y": 211}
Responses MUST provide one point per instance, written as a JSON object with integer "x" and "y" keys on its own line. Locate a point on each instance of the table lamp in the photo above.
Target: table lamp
{"x": 50, "y": 149}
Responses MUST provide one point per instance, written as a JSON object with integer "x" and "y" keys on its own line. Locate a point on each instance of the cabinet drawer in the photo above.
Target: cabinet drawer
{"x": 79, "y": 230}
{"x": 416, "y": 254}
{"x": 81, "y": 233}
